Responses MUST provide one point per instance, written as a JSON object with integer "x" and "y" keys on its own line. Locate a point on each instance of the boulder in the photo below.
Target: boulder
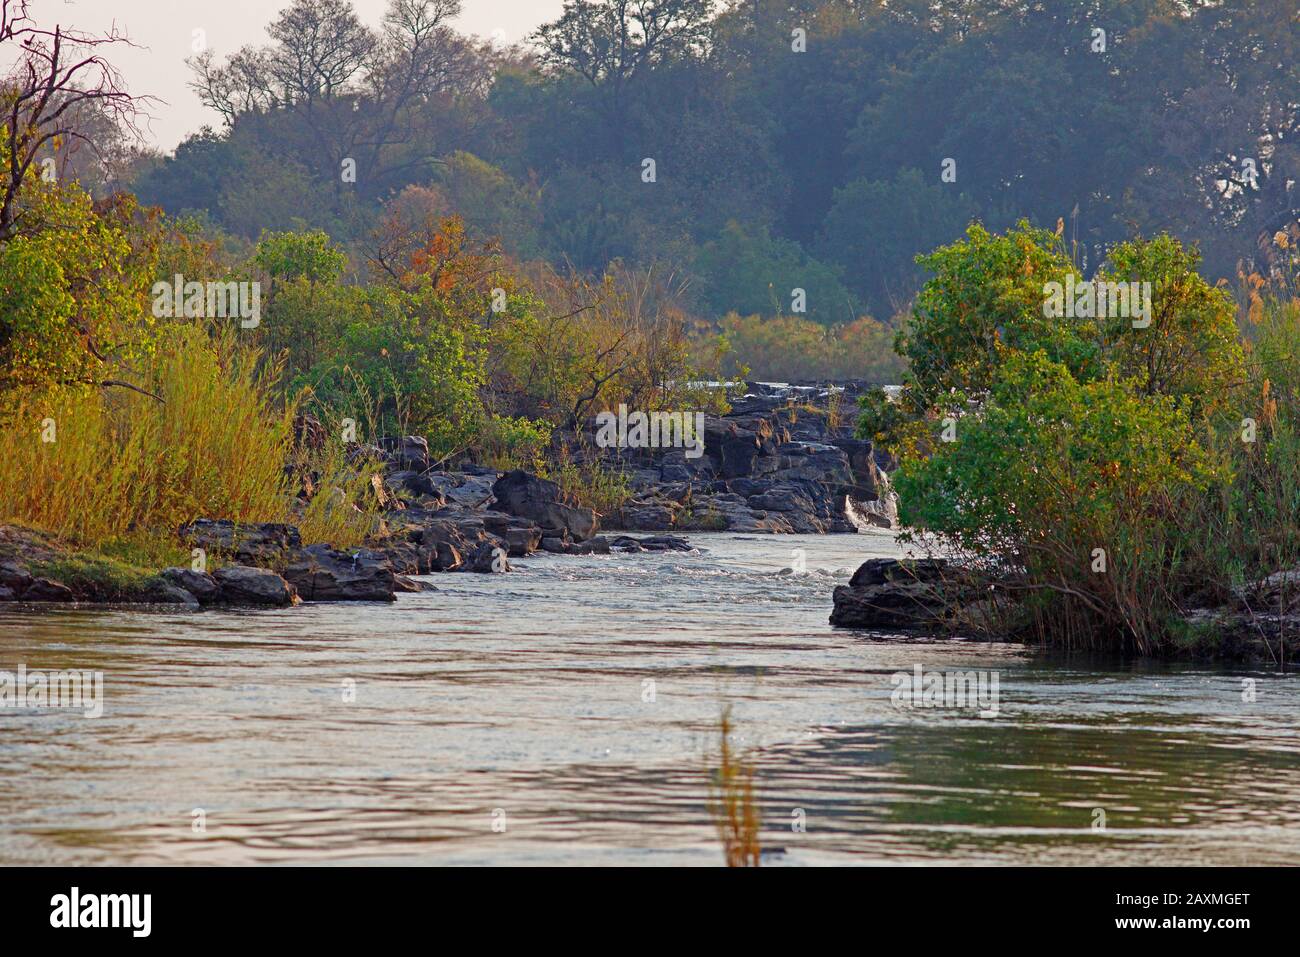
{"x": 539, "y": 500}
{"x": 14, "y": 577}
{"x": 489, "y": 557}
{"x": 202, "y": 586}
{"x": 251, "y": 543}
{"x": 46, "y": 589}
{"x": 645, "y": 515}
{"x": 893, "y": 594}
{"x": 163, "y": 592}
{"x": 406, "y": 452}
{"x": 322, "y": 573}
{"x": 246, "y": 585}
{"x": 882, "y": 571}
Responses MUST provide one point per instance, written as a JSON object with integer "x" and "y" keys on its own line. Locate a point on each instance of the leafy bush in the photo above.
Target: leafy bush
{"x": 1051, "y": 470}
{"x": 508, "y": 443}
{"x": 72, "y": 293}
{"x": 1091, "y": 466}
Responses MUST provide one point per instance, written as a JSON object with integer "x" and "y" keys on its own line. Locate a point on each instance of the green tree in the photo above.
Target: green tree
{"x": 874, "y": 229}
{"x": 748, "y": 270}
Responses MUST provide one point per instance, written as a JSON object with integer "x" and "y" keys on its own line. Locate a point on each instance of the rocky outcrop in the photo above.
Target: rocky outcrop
{"x": 777, "y": 462}
{"x": 322, "y": 573}
{"x": 539, "y": 500}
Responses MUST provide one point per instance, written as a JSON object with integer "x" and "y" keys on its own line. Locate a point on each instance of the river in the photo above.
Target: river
{"x": 565, "y": 714}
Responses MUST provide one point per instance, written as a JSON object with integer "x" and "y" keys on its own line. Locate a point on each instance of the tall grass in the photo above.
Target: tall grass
{"x": 602, "y": 489}
{"x": 732, "y": 805}
{"x": 343, "y": 509}
{"x": 97, "y": 466}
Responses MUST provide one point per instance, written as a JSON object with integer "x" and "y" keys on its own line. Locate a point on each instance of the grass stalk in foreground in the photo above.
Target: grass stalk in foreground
{"x": 732, "y": 805}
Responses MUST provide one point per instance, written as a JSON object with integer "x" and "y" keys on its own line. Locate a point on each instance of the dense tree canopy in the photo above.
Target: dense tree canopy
{"x": 833, "y": 138}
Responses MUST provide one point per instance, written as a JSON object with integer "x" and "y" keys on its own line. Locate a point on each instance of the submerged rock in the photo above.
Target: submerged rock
{"x": 651, "y": 543}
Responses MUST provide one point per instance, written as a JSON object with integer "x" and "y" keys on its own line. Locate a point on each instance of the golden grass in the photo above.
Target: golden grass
{"x": 601, "y": 489}
{"x": 333, "y": 514}
{"x": 732, "y": 805}
{"x": 116, "y": 469}
{"x": 96, "y": 465}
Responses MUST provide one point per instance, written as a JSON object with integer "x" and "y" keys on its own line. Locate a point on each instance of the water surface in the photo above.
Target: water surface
{"x": 565, "y": 714}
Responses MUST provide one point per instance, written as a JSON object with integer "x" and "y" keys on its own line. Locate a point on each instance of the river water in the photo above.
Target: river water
{"x": 567, "y": 713}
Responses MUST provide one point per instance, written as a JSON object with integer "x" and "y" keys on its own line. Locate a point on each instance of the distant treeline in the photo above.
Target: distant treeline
{"x": 796, "y": 144}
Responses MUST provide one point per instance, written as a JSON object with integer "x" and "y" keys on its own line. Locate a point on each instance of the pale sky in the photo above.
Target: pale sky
{"x": 165, "y": 31}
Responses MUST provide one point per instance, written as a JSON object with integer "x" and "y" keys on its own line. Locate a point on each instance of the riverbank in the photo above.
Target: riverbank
{"x": 932, "y": 596}
{"x": 782, "y": 460}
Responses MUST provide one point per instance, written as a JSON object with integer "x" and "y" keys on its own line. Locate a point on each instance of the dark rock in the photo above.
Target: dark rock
{"x": 734, "y": 449}
{"x": 200, "y": 585}
{"x": 666, "y": 543}
{"x": 164, "y": 592}
{"x": 652, "y": 543}
{"x": 644, "y": 516}
{"x": 887, "y": 593}
{"x": 250, "y": 543}
{"x": 45, "y": 589}
{"x": 539, "y": 500}
{"x": 489, "y": 557}
{"x": 424, "y": 486}
{"x": 782, "y": 498}
{"x": 523, "y": 539}
{"x": 321, "y": 573}
{"x": 595, "y": 546}
{"x": 880, "y": 571}
{"x": 406, "y": 452}
{"x": 14, "y": 577}
{"x": 246, "y": 585}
